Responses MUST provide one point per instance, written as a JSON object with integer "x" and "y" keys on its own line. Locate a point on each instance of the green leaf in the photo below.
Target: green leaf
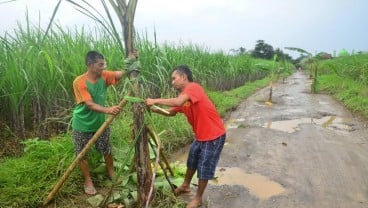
{"x": 133, "y": 99}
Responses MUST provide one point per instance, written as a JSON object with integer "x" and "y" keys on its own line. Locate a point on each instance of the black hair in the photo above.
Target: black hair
{"x": 184, "y": 69}
{"x": 92, "y": 57}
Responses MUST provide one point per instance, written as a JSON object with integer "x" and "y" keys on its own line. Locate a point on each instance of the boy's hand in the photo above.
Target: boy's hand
{"x": 113, "y": 110}
{"x": 150, "y": 101}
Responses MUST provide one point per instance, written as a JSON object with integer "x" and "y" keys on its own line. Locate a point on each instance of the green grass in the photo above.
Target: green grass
{"x": 25, "y": 180}
{"x": 352, "y": 94}
{"x": 346, "y": 78}
{"x": 354, "y": 67}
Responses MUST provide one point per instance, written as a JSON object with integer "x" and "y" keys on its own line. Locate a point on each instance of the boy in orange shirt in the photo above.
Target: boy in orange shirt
{"x": 90, "y": 91}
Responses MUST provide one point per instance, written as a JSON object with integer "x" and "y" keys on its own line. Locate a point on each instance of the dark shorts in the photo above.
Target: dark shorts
{"x": 103, "y": 144}
{"x": 204, "y": 156}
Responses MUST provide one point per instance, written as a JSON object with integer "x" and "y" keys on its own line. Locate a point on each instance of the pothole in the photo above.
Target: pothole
{"x": 258, "y": 185}
{"x": 328, "y": 122}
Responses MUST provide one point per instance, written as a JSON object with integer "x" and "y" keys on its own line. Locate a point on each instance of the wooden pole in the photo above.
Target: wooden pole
{"x": 155, "y": 140}
{"x": 270, "y": 95}
{"x": 81, "y": 155}
{"x": 172, "y": 186}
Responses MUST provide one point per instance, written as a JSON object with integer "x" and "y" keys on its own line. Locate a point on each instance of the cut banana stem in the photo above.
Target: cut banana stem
{"x": 156, "y": 108}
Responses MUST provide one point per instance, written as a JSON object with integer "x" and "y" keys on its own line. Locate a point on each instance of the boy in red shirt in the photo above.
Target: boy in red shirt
{"x": 207, "y": 125}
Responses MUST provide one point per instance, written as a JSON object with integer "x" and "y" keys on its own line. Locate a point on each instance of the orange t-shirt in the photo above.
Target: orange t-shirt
{"x": 201, "y": 113}
{"x": 85, "y": 119}
{"x": 80, "y": 87}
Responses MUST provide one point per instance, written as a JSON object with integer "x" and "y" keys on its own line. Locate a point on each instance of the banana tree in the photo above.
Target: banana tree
{"x": 312, "y": 63}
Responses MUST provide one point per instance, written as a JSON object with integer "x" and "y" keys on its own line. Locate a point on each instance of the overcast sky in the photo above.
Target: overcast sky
{"x": 313, "y": 25}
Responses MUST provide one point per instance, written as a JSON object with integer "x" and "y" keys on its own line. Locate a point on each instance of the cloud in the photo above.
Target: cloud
{"x": 313, "y": 25}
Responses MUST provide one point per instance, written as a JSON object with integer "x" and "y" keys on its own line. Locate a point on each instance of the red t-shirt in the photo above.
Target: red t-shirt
{"x": 201, "y": 113}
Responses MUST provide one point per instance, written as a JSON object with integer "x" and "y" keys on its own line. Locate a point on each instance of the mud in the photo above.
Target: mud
{"x": 301, "y": 150}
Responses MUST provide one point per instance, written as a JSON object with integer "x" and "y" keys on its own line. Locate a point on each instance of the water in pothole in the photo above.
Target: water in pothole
{"x": 328, "y": 122}
{"x": 258, "y": 185}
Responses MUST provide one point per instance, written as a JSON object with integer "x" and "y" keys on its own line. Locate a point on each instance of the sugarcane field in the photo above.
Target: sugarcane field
{"x": 183, "y": 104}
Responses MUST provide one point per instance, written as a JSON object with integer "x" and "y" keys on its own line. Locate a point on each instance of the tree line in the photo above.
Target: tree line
{"x": 264, "y": 50}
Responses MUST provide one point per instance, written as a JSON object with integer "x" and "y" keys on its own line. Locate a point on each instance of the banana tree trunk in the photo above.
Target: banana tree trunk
{"x": 143, "y": 165}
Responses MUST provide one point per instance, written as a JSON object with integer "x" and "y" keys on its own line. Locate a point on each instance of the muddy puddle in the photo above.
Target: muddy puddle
{"x": 291, "y": 126}
{"x": 258, "y": 185}
{"x": 234, "y": 123}
{"x": 328, "y": 122}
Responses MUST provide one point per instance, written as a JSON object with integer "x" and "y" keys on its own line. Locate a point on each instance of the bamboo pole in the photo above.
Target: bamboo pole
{"x": 155, "y": 139}
{"x": 154, "y": 173}
{"x": 81, "y": 155}
{"x": 172, "y": 186}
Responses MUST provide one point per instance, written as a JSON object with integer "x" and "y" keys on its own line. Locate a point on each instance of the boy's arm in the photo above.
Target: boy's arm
{"x": 113, "y": 110}
{"x": 172, "y": 102}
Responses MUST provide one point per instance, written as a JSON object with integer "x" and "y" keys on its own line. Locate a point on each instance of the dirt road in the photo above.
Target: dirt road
{"x": 304, "y": 150}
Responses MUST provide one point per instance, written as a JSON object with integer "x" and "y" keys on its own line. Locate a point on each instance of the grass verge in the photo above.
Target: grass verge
{"x": 351, "y": 93}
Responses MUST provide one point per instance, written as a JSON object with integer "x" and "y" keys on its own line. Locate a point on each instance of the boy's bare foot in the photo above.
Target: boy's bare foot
{"x": 181, "y": 190}
{"x": 194, "y": 203}
{"x": 90, "y": 190}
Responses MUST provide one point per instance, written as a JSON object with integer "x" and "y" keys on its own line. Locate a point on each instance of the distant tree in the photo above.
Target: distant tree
{"x": 323, "y": 55}
{"x": 242, "y": 50}
{"x": 281, "y": 56}
{"x": 239, "y": 51}
{"x": 263, "y": 50}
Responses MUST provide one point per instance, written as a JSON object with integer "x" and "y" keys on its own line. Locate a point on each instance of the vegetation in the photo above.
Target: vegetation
{"x": 36, "y": 92}
{"x": 346, "y": 78}
{"x": 37, "y": 100}
{"x": 44, "y": 161}
{"x": 264, "y": 50}
{"x": 354, "y": 67}
{"x": 36, "y": 79}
